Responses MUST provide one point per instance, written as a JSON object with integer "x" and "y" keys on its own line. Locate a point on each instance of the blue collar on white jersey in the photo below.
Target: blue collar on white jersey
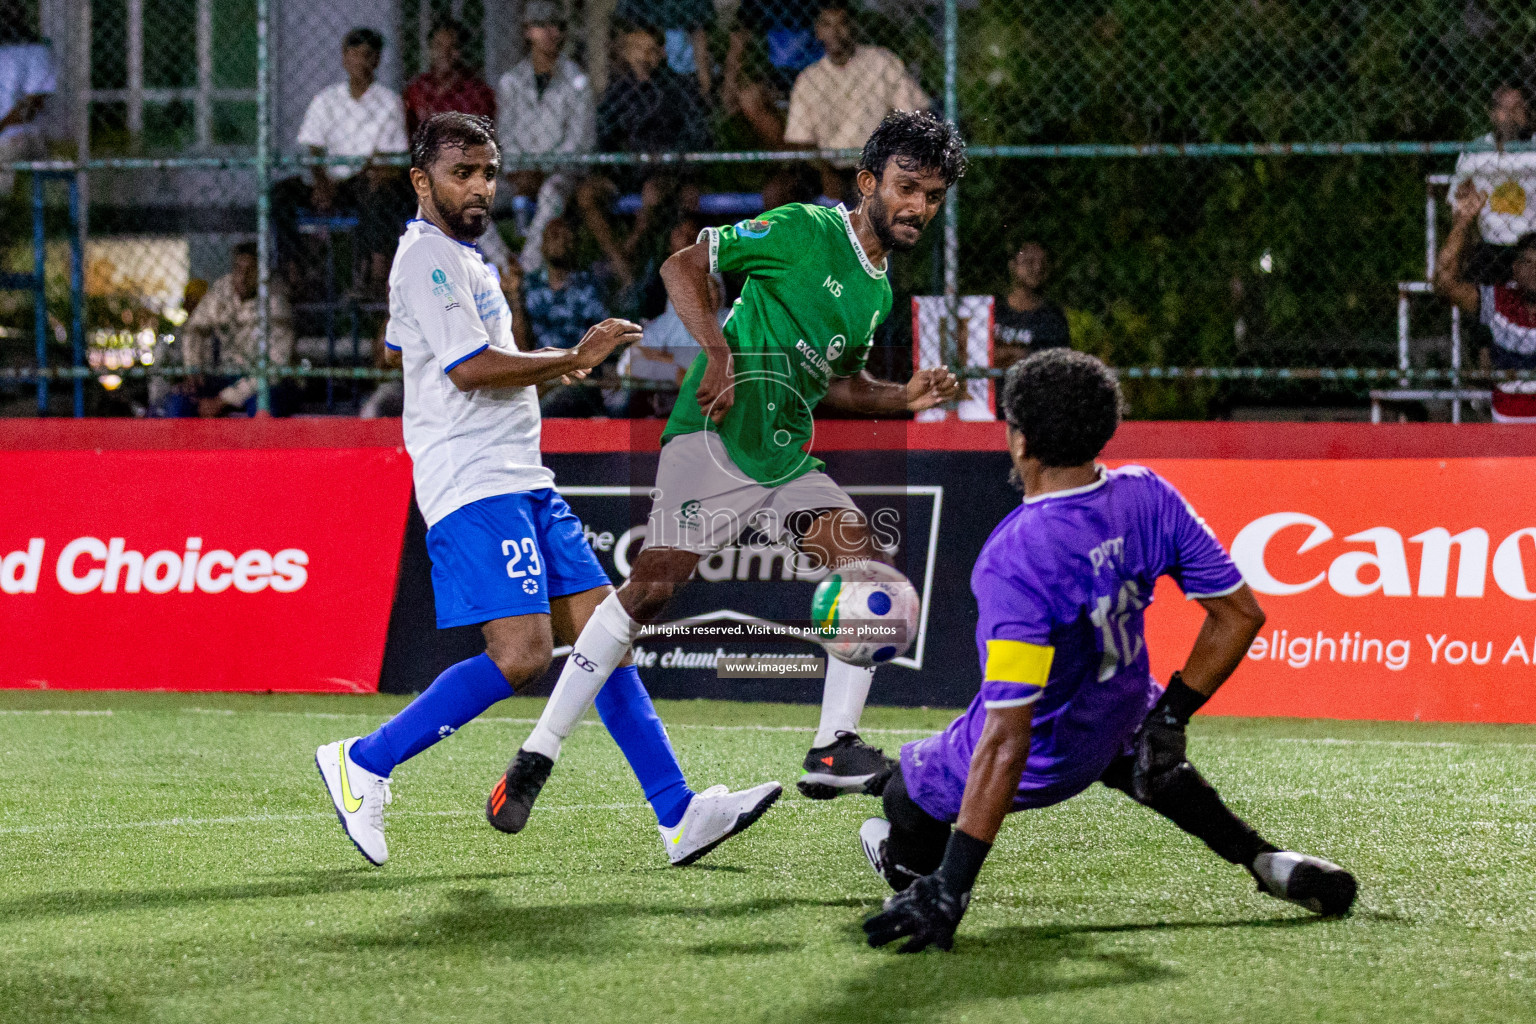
{"x": 468, "y": 245}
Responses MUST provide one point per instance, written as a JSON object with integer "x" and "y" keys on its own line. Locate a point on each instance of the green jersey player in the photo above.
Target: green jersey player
{"x": 806, "y": 317}
{"x": 733, "y": 456}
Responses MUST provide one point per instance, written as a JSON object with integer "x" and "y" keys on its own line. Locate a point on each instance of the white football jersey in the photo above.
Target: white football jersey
{"x": 445, "y": 306}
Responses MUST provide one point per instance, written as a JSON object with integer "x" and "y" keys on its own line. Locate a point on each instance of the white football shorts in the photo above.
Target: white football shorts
{"x": 703, "y": 502}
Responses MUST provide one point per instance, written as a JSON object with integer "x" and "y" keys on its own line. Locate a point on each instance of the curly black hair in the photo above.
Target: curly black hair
{"x": 916, "y": 140}
{"x": 1066, "y": 404}
{"x": 450, "y": 131}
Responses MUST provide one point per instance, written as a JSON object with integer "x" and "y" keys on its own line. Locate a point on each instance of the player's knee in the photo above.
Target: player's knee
{"x": 520, "y": 664}
{"x": 644, "y": 600}
{"x": 906, "y": 816}
{"x": 656, "y": 575}
{"x": 1118, "y": 774}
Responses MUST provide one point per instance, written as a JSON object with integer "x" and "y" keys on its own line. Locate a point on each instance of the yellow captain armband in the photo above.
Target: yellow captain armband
{"x": 1014, "y": 661}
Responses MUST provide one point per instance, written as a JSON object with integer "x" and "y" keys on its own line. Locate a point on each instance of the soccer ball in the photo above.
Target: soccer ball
{"x": 873, "y": 605}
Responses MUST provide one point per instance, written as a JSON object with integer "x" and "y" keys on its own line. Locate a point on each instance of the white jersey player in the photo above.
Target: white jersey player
{"x": 508, "y": 554}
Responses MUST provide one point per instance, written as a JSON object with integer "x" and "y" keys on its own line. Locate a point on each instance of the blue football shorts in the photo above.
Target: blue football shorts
{"x": 509, "y": 555}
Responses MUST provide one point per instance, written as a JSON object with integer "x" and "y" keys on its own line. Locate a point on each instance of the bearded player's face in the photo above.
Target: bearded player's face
{"x": 902, "y": 202}
{"x": 460, "y": 186}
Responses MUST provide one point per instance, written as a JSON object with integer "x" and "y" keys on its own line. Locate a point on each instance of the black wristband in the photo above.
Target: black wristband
{"x": 1179, "y": 702}
{"x": 963, "y": 858}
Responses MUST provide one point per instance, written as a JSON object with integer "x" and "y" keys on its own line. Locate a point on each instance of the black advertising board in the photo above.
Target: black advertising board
{"x": 934, "y": 509}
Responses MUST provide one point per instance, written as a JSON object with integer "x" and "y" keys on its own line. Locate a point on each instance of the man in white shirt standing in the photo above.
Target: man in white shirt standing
{"x": 839, "y": 101}
{"x": 508, "y": 554}
{"x": 1509, "y": 182}
{"x": 544, "y": 105}
{"x": 355, "y": 118}
{"x": 27, "y": 79}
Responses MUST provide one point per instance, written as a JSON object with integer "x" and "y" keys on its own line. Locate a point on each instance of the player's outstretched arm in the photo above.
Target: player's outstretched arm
{"x": 864, "y": 393}
{"x": 1231, "y": 623}
{"x": 686, "y": 275}
{"x": 494, "y": 368}
{"x": 931, "y": 908}
{"x": 997, "y": 764}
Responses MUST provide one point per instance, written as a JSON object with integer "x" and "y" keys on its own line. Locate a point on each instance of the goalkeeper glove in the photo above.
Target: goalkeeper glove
{"x": 1160, "y": 743}
{"x": 928, "y": 911}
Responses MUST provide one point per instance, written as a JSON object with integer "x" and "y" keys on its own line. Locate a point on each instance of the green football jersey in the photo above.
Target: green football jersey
{"x": 806, "y": 315}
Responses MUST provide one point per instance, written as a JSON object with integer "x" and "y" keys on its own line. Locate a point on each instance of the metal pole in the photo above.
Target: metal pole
{"x": 1429, "y": 232}
{"x": 263, "y": 211}
{"x": 136, "y": 73}
{"x": 1456, "y": 364}
{"x": 82, "y": 10}
{"x": 40, "y": 292}
{"x": 952, "y": 199}
{"x": 202, "y": 108}
{"x": 76, "y": 293}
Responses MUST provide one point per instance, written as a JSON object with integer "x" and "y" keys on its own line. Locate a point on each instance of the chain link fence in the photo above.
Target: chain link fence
{"x": 1235, "y": 203}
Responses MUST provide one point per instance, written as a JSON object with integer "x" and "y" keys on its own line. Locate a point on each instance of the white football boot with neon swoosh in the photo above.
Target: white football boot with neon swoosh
{"x": 712, "y": 817}
{"x": 359, "y": 797}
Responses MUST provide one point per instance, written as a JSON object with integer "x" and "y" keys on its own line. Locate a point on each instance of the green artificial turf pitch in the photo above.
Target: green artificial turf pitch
{"x": 174, "y": 858}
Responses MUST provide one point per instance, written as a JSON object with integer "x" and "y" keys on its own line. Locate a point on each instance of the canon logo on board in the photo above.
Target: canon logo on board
{"x": 89, "y": 564}
{"x": 1386, "y": 558}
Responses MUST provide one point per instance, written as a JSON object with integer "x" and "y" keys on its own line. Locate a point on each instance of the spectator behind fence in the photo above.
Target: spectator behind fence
{"x": 1509, "y": 182}
{"x": 666, "y": 349}
{"x": 647, "y": 108}
{"x": 685, "y": 25}
{"x": 754, "y": 89}
{"x": 221, "y": 337}
{"x": 838, "y": 101}
{"x": 1024, "y": 320}
{"x": 544, "y": 105}
{"x": 1508, "y": 309}
{"x": 27, "y": 79}
{"x": 355, "y": 118}
{"x": 782, "y": 31}
{"x": 559, "y": 303}
{"x": 448, "y": 85}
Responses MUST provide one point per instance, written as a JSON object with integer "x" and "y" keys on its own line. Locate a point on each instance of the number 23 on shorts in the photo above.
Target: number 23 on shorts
{"x": 524, "y": 558}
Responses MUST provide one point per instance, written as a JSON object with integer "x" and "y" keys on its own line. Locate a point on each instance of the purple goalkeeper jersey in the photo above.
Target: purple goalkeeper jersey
{"x": 1061, "y": 589}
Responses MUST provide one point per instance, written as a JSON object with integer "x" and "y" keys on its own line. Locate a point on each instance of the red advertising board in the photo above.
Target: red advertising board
{"x": 206, "y": 569}
{"x": 1395, "y": 588}
{"x": 1397, "y": 563}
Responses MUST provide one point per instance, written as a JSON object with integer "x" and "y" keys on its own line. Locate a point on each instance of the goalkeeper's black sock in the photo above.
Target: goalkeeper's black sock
{"x": 1194, "y": 805}
{"x": 1178, "y": 702}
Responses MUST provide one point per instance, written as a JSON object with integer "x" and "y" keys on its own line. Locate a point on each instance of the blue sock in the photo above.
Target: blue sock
{"x": 457, "y": 696}
{"x": 631, "y": 720}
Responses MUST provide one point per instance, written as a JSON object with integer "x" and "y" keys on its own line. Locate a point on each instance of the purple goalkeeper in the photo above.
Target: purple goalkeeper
{"x": 1067, "y": 697}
